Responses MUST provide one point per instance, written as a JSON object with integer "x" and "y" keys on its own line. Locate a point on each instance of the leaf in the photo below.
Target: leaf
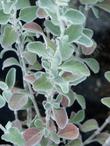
{"x": 37, "y": 48}
{"x": 105, "y": 5}
{"x": 75, "y": 66}
{"x": 74, "y": 16}
{"x": 107, "y": 75}
{"x": 92, "y": 64}
{"x": 22, "y": 4}
{"x": 66, "y": 48}
{"x": 76, "y": 142}
{"x": 64, "y": 85}
{"x": 17, "y": 101}
{"x": 38, "y": 124}
{"x": 30, "y": 78}
{"x": 102, "y": 137}
{"x": 78, "y": 117}
{"x": 9, "y": 36}
{"x": 9, "y": 62}
{"x": 33, "y": 27}
{"x": 3, "y": 85}
{"x": 30, "y": 57}
{"x": 84, "y": 40}
{"x": 89, "y": 32}
{"x": 7, "y": 94}
{"x": 89, "y": 2}
{"x": 106, "y": 101}
{"x": 11, "y": 78}
{"x": 8, "y": 6}
{"x": 89, "y": 125}
{"x": 61, "y": 117}
{"x": 14, "y": 136}
{"x": 50, "y": 5}
{"x": 70, "y": 132}
{"x": 32, "y": 136}
{"x": 54, "y": 137}
{"x": 41, "y": 13}
{"x": 28, "y": 14}
{"x": 89, "y": 50}
{"x": 2, "y": 102}
{"x": 4, "y": 17}
{"x": 43, "y": 84}
{"x": 74, "y": 32}
{"x": 81, "y": 100}
{"x": 54, "y": 29}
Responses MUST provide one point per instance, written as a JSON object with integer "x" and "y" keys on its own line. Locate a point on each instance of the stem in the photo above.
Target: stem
{"x": 2, "y": 128}
{"x": 90, "y": 139}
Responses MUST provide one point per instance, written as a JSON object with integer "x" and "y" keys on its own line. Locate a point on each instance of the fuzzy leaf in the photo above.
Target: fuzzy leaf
{"x": 76, "y": 142}
{"x": 107, "y": 75}
{"x": 105, "y": 5}
{"x": 106, "y": 101}
{"x": 2, "y": 102}
{"x": 89, "y": 125}
{"x": 17, "y": 101}
{"x": 89, "y": 2}
{"x": 32, "y": 136}
{"x": 11, "y": 78}
{"x": 61, "y": 117}
{"x": 14, "y": 136}
{"x": 33, "y": 27}
{"x": 81, "y": 100}
{"x": 54, "y": 137}
{"x": 74, "y": 32}
{"x": 4, "y": 17}
{"x": 28, "y": 14}
{"x": 66, "y": 48}
{"x": 41, "y": 13}
{"x": 3, "y": 85}
{"x": 102, "y": 137}
{"x": 74, "y": 16}
{"x": 42, "y": 84}
{"x": 93, "y": 64}
{"x": 70, "y": 132}
{"x": 22, "y": 4}
{"x": 30, "y": 57}
{"x": 9, "y": 62}
{"x": 88, "y": 32}
{"x": 9, "y": 36}
{"x": 84, "y": 40}
{"x": 37, "y": 48}
{"x": 78, "y": 117}
{"x": 54, "y": 29}
{"x": 76, "y": 67}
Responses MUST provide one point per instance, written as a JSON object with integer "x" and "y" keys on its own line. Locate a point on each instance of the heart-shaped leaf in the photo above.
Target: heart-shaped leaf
{"x": 70, "y": 132}
{"x": 61, "y": 117}
{"x": 32, "y": 136}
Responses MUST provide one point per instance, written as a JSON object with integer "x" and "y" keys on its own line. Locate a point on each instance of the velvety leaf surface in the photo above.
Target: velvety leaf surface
{"x": 107, "y": 75}
{"x": 17, "y": 101}
{"x": 75, "y": 16}
{"x": 28, "y": 14}
{"x": 11, "y": 78}
{"x": 105, "y": 5}
{"x": 70, "y": 132}
{"x": 14, "y": 136}
{"x": 89, "y": 125}
{"x": 2, "y": 102}
{"x": 4, "y": 17}
{"x": 32, "y": 136}
{"x": 106, "y": 101}
{"x": 3, "y": 85}
{"x": 61, "y": 117}
{"x": 22, "y": 4}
